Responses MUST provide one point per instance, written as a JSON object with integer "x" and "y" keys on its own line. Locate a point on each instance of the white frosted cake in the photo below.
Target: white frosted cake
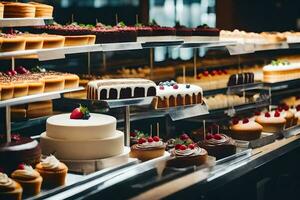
{"x": 171, "y": 94}
{"x": 281, "y": 71}
{"x": 82, "y": 139}
{"x": 120, "y": 88}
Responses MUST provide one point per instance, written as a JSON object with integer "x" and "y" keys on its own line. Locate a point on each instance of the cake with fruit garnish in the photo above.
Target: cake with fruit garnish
{"x": 245, "y": 129}
{"x": 142, "y": 30}
{"x": 205, "y": 30}
{"x": 183, "y": 30}
{"x": 297, "y": 114}
{"x": 217, "y": 144}
{"x": 19, "y": 150}
{"x": 287, "y": 114}
{"x": 9, "y": 189}
{"x": 208, "y": 80}
{"x": 272, "y": 122}
{"x": 120, "y": 89}
{"x": 172, "y": 94}
{"x": 148, "y": 148}
{"x": 279, "y": 70}
{"x": 125, "y": 33}
{"x": 29, "y": 179}
{"x": 68, "y": 134}
{"x": 186, "y": 153}
{"x": 158, "y": 30}
{"x": 136, "y": 135}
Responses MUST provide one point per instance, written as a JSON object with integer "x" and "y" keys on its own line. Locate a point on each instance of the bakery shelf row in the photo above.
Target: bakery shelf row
{"x": 60, "y": 53}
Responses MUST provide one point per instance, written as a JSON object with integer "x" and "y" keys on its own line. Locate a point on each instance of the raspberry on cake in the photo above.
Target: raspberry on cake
{"x": 186, "y": 153}
{"x": 245, "y": 129}
{"x": 148, "y": 148}
{"x": 272, "y": 122}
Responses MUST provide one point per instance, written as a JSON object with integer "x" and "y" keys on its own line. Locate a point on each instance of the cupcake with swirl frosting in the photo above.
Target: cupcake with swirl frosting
{"x": 9, "y": 189}
{"x": 53, "y": 172}
{"x": 30, "y": 179}
{"x": 186, "y": 153}
{"x": 148, "y": 148}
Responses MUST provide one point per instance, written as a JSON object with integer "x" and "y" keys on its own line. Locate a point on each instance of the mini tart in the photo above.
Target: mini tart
{"x": 18, "y": 10}
{"x": 271, "y": 124}
{"x": 42, "y": 10}
{"x": 31, "y": 181}
{"x": 53, "y": 41}
{"x": 13, "y": 43}
{"x": 145, "y": 154}
{"x": 79, "y": 40}
{"x": 186, "y": 161}
{"x": 53, "y": 177}
{"x": 10, "y": 190}
{"x": 7, "y": 90}
{"x": 53, "y": 83}
{"x": 20, "y": 89}
{"x": 248, "y": 131}
{"x": 220, "y": 148}
{"x": 71, "y": 81}
{"x": 33, "y": 41}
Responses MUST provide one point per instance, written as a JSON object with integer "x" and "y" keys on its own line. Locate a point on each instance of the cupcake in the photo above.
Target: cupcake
{"x": 9, "y": 189}
{"x": 53, "y": 172}
{"x": 148, "y": 148}
{"x": 30, "y": 179}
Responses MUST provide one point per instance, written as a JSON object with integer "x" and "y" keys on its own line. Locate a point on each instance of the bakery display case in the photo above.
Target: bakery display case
{"x": 134, "y": 132}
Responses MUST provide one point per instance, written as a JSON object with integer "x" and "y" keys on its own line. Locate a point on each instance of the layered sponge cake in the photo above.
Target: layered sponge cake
{"x": 82, "y": 139}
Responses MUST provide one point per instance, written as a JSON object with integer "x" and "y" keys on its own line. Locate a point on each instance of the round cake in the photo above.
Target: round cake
{"x": 218, "y": 145}
{"x": 82, "y": 139}
{"x": 272, "y": 122}
{"x": 245, "y": 129}
{"x": 19, "y": 150}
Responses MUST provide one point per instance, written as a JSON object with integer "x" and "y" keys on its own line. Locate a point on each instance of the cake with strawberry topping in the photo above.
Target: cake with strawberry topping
{"x": 218, "y": 145}
{"x": 186, "y": 153}
{"x": 287, "y": 114}
{"x": 148, "y": 148}
{"x": 245, "y": 129}
{"x": 272, "y": 122}
{"x": 172, "y": 94}
{"x": 68, "y": 134}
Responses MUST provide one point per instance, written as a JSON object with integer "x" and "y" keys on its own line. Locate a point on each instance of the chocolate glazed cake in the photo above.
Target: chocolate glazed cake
{"x": 120, "y": 89}
{"x": 218, "y": 145}
{"x": 19, "y": 150}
